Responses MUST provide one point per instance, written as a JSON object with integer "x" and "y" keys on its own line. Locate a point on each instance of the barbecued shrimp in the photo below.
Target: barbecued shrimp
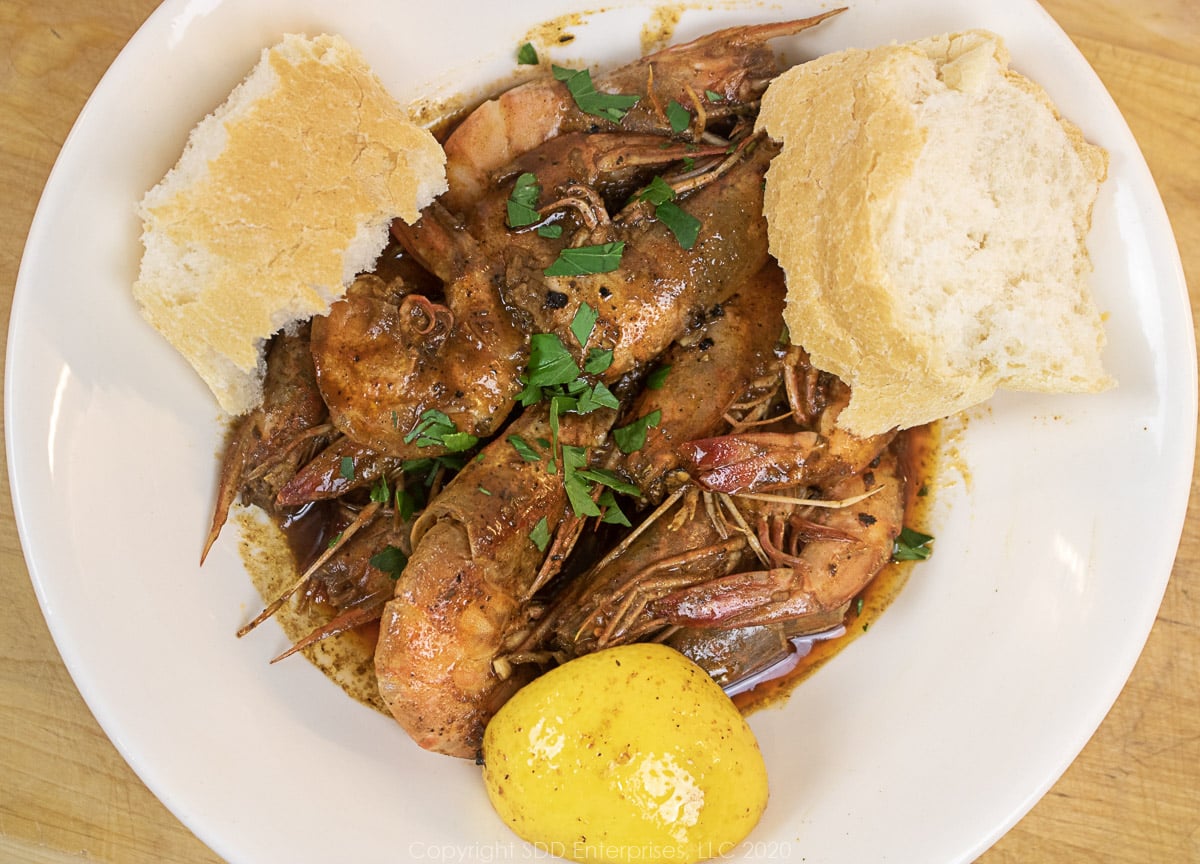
{"x": 735, "y": 657}
{"x": 728, "y": 69}
{"x": 464, "y": 594}
{"x": 269, "y": 444}
{"x": 714, "y": 561}
{"x": 819, "y": 562}
{"x": 705, "y": 374}
{"x": 340, "y": 468}
{"x": 806, "y": 447}
{"x": 381, "y": 365}
{"x": 660, "y": 287}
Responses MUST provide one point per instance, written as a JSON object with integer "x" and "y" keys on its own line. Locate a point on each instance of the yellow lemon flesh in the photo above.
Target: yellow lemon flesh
{"x": 629, "y": 754}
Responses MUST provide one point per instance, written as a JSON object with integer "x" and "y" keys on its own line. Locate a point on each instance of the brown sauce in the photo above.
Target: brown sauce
{"x": 917, "y": 449}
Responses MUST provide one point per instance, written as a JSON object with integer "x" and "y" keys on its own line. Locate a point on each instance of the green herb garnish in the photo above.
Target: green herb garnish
{"x": 611, "y": 479}
{"x": 523, "y": 448}
{"x": 598, "y": 360}
{"x": 408, "y": 503}
{"x": 578, "y": 489}
{"x": 550, "y": 363}
{"x": 346, "y": 468}
{"x": 682, "y": 224}
{"x": 527, "y": 55}
{"x": 522, "y": 201}
{"x": 657, "y": 379}
{"x": 435, "y": 428}
{"x": 911, "y": 546}
{"x": 380, "y": 493}
{"x": 391, "y": 560}
{"x": 610, "y": 106}
{"x": 610, "y": 510}
{"x": 587, "y": 260}
{"x": 659, "y": 191}
{"x": 540, "y": 535}
{"x": 583, "y": 323}
{"x": 678, "y": 116}
{"x": 632, "y": 437}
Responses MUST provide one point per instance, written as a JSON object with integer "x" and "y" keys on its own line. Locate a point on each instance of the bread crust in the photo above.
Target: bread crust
{"x": 281, "y": 196}
{"x": 852, "y": 135}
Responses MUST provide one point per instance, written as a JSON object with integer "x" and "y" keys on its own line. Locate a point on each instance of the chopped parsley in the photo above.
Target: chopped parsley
{"x": 522, "y": 201}
{"x": 408, "y": 503}
{"x": 678, "y": 116}
{"x": 550, "y": 365}
{"x": 587, "y": 260}
{"x": 391, "y": 560}
{"x": 523, "y": 448}
{"x": 583, "y": 323}
{"x": 632, "y": 437}
{"x": 578, "y": 489}
{"x": 527, "y": 55}
{"x": 610, "y": 510}
{"x": 380, "y": 493}
{"x": 682, "y": 224}
{"x": 610, "y": 106}
{"x": 540, "y": 535}
{"x": 346, "y": 468}
{"x": 911, "y": 546}
{"x": 435, "y": 428}
{"x": 657, "y": 379}
{"x": 598, "y": 360}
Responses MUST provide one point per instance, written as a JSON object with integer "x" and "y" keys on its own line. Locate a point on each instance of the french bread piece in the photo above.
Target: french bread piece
{"x": 281, "y": 196}
{"x": 930, "y": 209}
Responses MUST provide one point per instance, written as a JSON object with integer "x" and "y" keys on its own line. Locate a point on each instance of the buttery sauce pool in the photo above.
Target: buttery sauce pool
{"x": 917, "y": 449}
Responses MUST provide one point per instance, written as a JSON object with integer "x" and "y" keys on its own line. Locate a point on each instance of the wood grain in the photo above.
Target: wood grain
{"x": 1133, "y": 795}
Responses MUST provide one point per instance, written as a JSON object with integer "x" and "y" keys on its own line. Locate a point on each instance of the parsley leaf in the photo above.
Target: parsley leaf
{"x": 678, "y": 116}
{"x": 598, "y": 360}
{"x": 380, "y": 493}
{"x": 610, "y": 106}
{"x": 611, "y": 479}
{"x": 391, "y": 560}
{"x": 610, "y": 511}
{"x": 657, "y": 379}
{"x": 346, "y": 468}
{"x": 587, "y": 260}
{"x": 682, "y": 224}
{"x": 408, "y": 503}
{"x": 522, "y": 201}
{"x": 632, "y": 437}
{"x": 583, "y": 323}
{"x": 550, "y": 232}
{"x": 911, "y": 546}
{"x": 659, "y": 191}
{"x": 550, "y": 363}
{"x": 523, "y": 448}
{"x": 714, "y": 96}
{"x": 540, "y": 535}
{"x": 578, "y": 489}
{"x": 596, "y": 397}
{"x": 435, "y": 428}
{"x": 527, "y": 55}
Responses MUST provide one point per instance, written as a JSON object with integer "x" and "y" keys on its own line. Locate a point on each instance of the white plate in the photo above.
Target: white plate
{"x": 1056, "y": 526}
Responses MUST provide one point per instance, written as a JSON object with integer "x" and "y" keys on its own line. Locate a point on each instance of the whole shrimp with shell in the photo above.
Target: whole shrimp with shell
{"x": 717, "y": 75}
{"x": 380, "y": 367}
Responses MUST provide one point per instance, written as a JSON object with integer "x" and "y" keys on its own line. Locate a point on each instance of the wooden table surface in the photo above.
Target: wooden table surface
{"x": 66, "y": 795}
